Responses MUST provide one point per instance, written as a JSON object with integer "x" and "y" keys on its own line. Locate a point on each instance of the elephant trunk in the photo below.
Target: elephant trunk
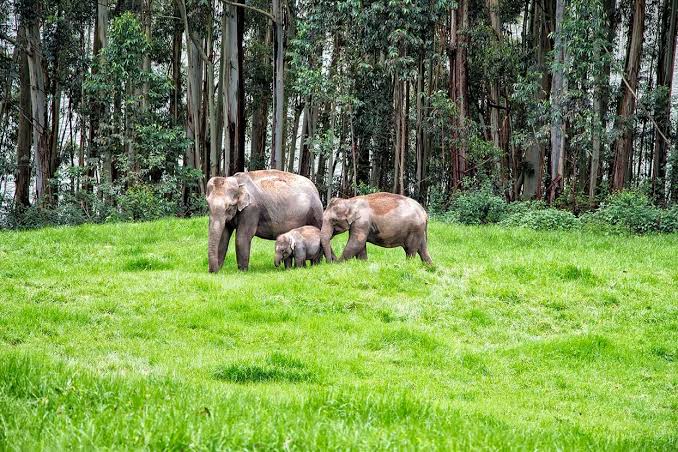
{"x": 278, "y": 259}
{"x": 216, "y": 229}
{"x": 326, "y": 240}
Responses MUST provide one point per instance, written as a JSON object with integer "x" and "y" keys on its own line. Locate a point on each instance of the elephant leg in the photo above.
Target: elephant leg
{"x": 363, "y": 254}
{"x": 423, "y": 253}
{"x": 357, "y": 242}
{"x": 411, "y": 246}
{"x": 223, "y": 244}
{"x": 288, "y": 262}
{"x": 243, "y": 243}
{"x": 422, "y": 249}
{"x": 299, "y": 257}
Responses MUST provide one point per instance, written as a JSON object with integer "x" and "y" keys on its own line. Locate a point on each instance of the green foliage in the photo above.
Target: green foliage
{"x": 668, "y": 220}
{"x": 627, "y": 211}
{"x": 142, "y": 203}
{"x": 542, "y": 219}
{"x": 478, "y": 207}
{"x": 630, "y": 210}
{"x": 437, "y": 203}
{"x": 523, "y": 207}
{"x": 365, "y": 189}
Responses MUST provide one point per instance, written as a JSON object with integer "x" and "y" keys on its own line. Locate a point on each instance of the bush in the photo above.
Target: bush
{"x": 524, "y": 207}
{"x": 478, "y": 207}
{"x": 140, "y": 203}
{"x": 630, "y": 210}
{"x": 543, "y": 219}
{"x": 668, "y": 220}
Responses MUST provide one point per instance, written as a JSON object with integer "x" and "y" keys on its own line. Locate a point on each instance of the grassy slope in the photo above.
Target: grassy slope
{"x": 116, "y": 335}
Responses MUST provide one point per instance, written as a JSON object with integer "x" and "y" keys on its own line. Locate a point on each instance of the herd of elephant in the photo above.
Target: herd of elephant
{"x": 286, "y": 207}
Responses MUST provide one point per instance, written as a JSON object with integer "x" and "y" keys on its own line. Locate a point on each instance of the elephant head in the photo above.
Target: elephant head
{"x": 338, "y": 217}
{"x": 284, "y": 247}
{"x": 225, "y": 198}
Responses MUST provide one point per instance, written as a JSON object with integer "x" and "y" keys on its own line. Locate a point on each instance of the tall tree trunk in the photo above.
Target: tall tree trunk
{"x": 457, "y": 51}
{"x": 627, "y": 103}
{"x": 194, "y": 96}
{"x": 146, "y": 18}
{"x": 533, "y": 172}
{"x": 299, "y": 108}
{"x": 497, "y": 118}
{"x": 421, "y": 137}
{"x": 214, "y": 128}
{"x": 262, "y": 97}
{"x": 233, "y": 109}
{"x": 54, "y": 128}
{"x": 39, "y": 109}
{"x": 667, "y": 51}
{"x": 334, "y": 67}
{"x": 240, "y": 155}
{"x": 176, "y": 90}
{"x": 6, "y": 89}
{"x": 307, "y": 132}
{"x": 399, "y": 127}
{"x": 278, "y": 88}
{"x": 596, "y": 130}
{"x": 259, "y": 127}
{"x": 24, "y": 135}
{"x": 558, "y": 88}
{"x": 95, "y": 132}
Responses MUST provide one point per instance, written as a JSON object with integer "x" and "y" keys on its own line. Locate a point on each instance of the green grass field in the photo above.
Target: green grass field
{"x": 116, "y": 336}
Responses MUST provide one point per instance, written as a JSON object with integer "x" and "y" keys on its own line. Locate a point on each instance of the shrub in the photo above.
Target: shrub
{"x": 478, "y": 207}
{"x": 630, "y": 210}
{"x": 543, "y": 219}
{"x": 524, "y": 207}
{"x": 140, "y": 203}
{"x": 668, "y": 220}
{"x": 436, "y": 202}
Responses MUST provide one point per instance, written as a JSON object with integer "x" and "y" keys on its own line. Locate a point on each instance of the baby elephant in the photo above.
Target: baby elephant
{"x": 302, "y": 244}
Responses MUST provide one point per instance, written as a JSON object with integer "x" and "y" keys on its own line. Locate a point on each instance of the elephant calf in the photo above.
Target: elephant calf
{"x": 302, "y": 244}
{"x": 384, "y": 219}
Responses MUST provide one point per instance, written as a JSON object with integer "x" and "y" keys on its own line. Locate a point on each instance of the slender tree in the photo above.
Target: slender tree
{"x": 23, "y": 150}
{"x": 667, "y": 50}
{"x": 558, "y": 87}
{"x": 278, "y": 86}
{"x": 627, "y": 103}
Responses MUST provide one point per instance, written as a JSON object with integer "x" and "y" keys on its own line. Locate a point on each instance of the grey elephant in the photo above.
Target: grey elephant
{"x": 384, "y": 219}
{"x": 301, "y": 245}
{"x": 263, "y": 203}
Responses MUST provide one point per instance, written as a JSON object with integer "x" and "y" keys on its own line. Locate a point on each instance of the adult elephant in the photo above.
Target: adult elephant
{"x": 384, "y": 219}
{"x": 263, "y": 203}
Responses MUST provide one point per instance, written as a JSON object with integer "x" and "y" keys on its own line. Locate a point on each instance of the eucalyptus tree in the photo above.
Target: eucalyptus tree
{"x": 667, "y": 50}
{"x": 627, "y": 102}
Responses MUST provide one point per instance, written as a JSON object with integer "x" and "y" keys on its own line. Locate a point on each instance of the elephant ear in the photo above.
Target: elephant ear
{"x": 243, "y": 197}
{"x": 352, "y": 215}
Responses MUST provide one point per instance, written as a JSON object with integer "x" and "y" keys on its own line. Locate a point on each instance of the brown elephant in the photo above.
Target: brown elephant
{"x": 301, "y": 244}
{"x": 263, "y": 203}
{"x": 384, "y": 219}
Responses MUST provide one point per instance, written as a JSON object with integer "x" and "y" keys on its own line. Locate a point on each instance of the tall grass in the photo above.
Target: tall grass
{"x": 115, "y": 336}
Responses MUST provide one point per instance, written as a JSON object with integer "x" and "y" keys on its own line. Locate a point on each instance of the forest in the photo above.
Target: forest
{"x": 124, "y": 109}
